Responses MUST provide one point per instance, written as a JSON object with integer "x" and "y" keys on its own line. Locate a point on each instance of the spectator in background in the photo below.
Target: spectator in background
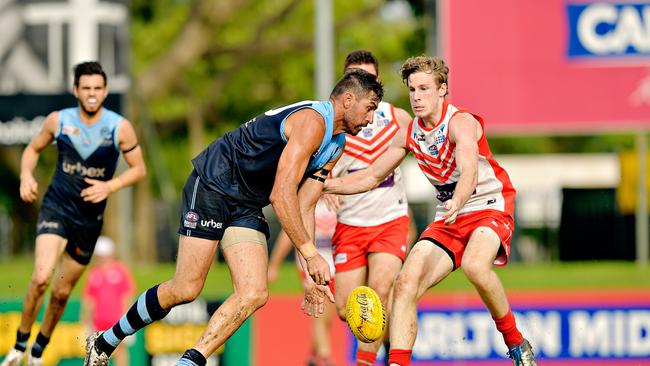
{"x": 108, "y": 292}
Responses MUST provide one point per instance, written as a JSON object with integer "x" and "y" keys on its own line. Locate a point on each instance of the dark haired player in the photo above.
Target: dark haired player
{"x": 89, "y": 140}
{"x": 280, "y": 157}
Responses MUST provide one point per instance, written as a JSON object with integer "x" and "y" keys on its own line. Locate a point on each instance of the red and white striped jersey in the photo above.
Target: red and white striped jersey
{"x": 386, "y": 202}
{"x": 436, "y": 157}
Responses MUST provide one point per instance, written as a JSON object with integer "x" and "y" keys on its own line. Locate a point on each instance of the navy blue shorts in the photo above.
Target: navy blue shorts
{"x": 206, "y": 213}
{"x": 81, "y": 234}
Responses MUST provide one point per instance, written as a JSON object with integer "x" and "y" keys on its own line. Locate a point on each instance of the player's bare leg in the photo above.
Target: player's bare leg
{"x": 425, "y": 266}
{"x": 382, "y": 270}
{"x": 477, "y": 261}
{"x": 477, "y": 265}
{"x": 347, "y": 281}
{"x": 65, "y": 280}
{"x": 194, "y": 260}
{"x": 46, "y": 255}
{"x": 321, "y": 345}
{"x": 248, "y": 264}
{"x": 192, "y": 265}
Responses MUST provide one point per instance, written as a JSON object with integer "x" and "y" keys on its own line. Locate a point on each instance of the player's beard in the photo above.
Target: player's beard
{"x": 349, "y": 128}
{"x": 90, "y": 113}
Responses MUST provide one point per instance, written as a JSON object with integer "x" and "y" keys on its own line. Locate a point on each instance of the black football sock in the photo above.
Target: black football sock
{"x": 192, "y": 357}
{"x": 21, "y": 341}
{"x": 39, "y": 345}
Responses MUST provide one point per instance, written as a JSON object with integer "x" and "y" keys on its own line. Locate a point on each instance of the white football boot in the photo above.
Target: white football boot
{"x": 13, "y": 358}
{"x": 34, "y": 361}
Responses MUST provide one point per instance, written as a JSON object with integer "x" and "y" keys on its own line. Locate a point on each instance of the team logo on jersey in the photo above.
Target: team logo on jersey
{"x": 418, "y": 136}
{"x": 107, "y": 135}
{"x": 191, "y": 218}
{"x": 433, "y": 150}
{"x": 380, "y": 119}
{"x": 367, "y": 132}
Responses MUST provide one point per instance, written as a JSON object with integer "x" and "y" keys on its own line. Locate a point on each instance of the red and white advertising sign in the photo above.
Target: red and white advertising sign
{"x": 549, "y": 66}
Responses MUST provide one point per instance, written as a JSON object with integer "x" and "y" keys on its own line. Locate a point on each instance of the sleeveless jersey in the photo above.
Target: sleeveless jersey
{"x": 386, "y": 202}
{"x": 83, "y": 152}
{"x": 242, "y": 163}
{"x": 435, "y": 155}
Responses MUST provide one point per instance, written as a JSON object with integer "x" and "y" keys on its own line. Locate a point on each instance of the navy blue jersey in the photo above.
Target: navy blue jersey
{"x": 84, "y": 152}
{"x": 242, "y": 163}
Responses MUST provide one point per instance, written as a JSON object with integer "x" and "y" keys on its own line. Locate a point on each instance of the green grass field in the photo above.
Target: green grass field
{"x": 15, "y": 275}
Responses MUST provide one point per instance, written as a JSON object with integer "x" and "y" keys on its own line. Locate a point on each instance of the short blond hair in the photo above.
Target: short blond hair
{"x": 430, "y": 65}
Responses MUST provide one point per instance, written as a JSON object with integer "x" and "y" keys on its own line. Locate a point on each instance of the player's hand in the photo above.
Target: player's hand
{"x": 28, "y": 188}
{"x": 313, "y": 303}
{"x": 97, "y": 192}
{"x": 452, "y": 208}
{"x": 318, "y": 269}
{"x": 333, "y": 201}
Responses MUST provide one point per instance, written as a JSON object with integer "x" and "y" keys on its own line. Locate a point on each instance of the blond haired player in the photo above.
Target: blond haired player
{"x": 474, "y": 221}
{"x": 371, "y": 237}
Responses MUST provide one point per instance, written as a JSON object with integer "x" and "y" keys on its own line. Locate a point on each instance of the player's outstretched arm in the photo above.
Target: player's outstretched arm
{"x": 29, "y": 159}
{"x": 464, "y": 132}
{"x": 304, "y": 130}
{"x": 128, "y": 142}
{"x": 369, "y": 178}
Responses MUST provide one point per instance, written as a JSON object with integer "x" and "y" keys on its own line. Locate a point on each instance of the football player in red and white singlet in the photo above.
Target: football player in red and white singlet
{"x": 473, "y": 225}
{"x": 324, "y": 224}
{"x": 371, "y": 237}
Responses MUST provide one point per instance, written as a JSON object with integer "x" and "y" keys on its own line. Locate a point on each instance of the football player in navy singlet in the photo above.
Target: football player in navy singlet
{"x": 280, "y": 157}
{"x": 89, "y": 140}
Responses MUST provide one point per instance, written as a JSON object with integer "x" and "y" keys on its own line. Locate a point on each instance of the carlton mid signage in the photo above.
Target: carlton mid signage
{"x": 549, "y": 66}
{"x": 589, "y": 334}
{"x": 607, "y": 29}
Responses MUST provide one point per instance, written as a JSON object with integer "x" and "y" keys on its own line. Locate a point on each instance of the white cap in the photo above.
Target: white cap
{"x": 104, "y": 246}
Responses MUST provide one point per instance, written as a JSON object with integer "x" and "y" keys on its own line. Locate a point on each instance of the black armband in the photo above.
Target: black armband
{"x": 315, "y": 177}
{"x": 131, "y": 149}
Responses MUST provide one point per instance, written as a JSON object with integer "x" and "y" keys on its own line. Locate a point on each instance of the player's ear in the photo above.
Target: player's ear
{"x": 75, "y": 91}
{"x": 348, "y": 99}
{"x": 442, "y": 91}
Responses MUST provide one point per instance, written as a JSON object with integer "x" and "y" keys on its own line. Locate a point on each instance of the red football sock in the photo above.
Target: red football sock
{"x": 401, "y": 357}
{"x": 508, "y": 328}
{"x": 365, "y": 358}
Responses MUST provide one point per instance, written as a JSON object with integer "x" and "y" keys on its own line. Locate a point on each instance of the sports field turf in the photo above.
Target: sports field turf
{"x": 15, "y": 274}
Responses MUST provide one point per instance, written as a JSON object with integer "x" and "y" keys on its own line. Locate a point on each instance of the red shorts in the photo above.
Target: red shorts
{"x": 353, "y": 243}
{"x": 453, "y": 238}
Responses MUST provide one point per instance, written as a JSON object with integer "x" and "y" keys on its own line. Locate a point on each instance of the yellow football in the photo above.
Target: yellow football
{"x": 365, "y": 314}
